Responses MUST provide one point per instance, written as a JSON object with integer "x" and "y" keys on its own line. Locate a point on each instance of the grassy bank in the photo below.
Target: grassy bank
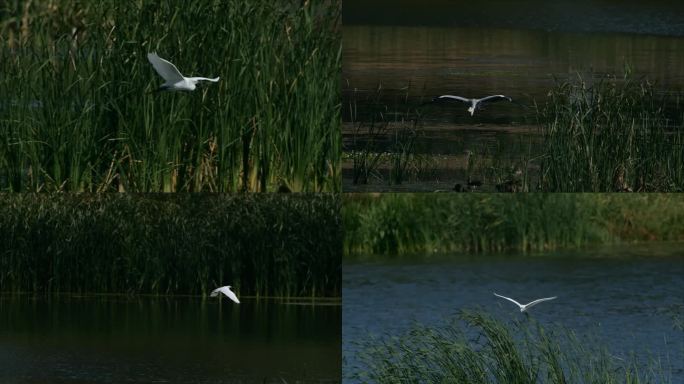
{"x": 277, "y": 245}
{"x": 77, "y": 113}
{"x": 482, "y": 349}
{"x": 402, "y": 224}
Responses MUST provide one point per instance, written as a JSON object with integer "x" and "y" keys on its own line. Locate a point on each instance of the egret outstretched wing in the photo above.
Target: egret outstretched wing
{"x": 165, "y": 68}
{"x": 494, "y": 98}
{"x": 226, "y": 291}
{"x": 509, "y": 299}
{"x": 538, "y": 301}
{"x": 452, "y": 97}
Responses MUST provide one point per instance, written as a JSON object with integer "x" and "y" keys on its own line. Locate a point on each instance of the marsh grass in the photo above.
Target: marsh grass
{"x": 611, "y": 134}
{"x": 271, "y": 244}
{"x": 384, "y": 136}
{"x": 76, "y": 113}
{"x": 425, "y": 224}
{"x": 367, "y": 132}
{"x": 478, "y": 348}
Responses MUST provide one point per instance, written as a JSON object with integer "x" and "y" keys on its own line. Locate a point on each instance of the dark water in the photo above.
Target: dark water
{"x": 398, "y": 55}
{"x": 174, "y": 340}
{"x": 423, "y": 62}
{"x": 654, "y": 17}
{"x": 630, "y": 296}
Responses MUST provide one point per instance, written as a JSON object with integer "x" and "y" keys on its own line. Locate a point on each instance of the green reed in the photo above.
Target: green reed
{"x": 402, "y": 224}
{"x": 76, "y": 112}
{"x": 611, "y": 134}
{"x": 478, "y": 348}
{"x": 272, "y": 244}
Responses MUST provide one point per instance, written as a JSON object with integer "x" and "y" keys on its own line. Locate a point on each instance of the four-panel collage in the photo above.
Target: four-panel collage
{"x": 341, "y": 191}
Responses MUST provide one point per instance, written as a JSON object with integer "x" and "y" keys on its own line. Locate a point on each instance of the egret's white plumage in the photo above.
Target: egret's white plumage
{"x": 474, "y": 103}
{"x": 226, "y": 291}
{"x": 527, "y": 306}
{"x": 174, "y": 80}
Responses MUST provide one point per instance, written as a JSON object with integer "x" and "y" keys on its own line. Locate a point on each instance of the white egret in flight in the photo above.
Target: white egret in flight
{"x": 174, "y": 80}
{"x": 474, "y": 103}
{"x": 525, "y": 307}
{"x": 226, "y": 291}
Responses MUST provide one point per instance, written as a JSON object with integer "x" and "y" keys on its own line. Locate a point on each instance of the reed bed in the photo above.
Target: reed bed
{"x": 263, "y": 245}
{"x": 478, "y": 348}
{"x": 382, "y": 144}
{"x": 611, "y": 134}
{"x": 425, "y": 224}
{"x": 76, "y": 112}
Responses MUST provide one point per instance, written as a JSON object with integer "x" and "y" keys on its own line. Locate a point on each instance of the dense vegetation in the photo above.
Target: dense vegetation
{"x": 612, "y": 135}
{"x": 272, "y": 244}
{"x": 77, "y": 112}
{"x": 398, "y": 224}
{"x": 480, "y": 349}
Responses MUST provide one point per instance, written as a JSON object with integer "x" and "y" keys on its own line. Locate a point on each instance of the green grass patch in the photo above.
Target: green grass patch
{"x": 271, "y": 244}
{"x": 76, "y": 113}
{"x": 425, "y": 224}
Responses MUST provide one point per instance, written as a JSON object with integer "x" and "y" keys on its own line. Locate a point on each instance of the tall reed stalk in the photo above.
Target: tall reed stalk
{"x": 611, "y": 135}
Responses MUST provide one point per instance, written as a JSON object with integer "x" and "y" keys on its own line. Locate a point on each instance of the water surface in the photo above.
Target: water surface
{"x": 167, "y": 340}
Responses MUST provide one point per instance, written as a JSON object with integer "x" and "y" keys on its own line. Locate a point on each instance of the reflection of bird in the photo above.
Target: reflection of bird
{"x": 174, "y": 80}
{"x": 474, "y": 103}
{"x": 226, "y": 291}
{"x": 525, "y": 307}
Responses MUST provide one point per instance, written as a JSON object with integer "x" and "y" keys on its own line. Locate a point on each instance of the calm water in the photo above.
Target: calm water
{"x": 627, "y": 295}
{"x": 415, "y": 50}
{"x": 174, "y": 340}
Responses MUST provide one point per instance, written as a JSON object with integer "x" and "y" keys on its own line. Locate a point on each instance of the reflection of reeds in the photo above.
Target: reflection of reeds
{"x": 376, "y": 125}
{"x": 612, "y": 135}
{"x": 365, "y": 157}
{"x": 427, "y": 223}
{"x": 75, "y": 114}
{"x": 271, "y": 244}
{"x": 481, "y": 349}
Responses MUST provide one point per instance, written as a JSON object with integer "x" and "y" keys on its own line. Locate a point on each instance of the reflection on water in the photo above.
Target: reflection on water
{"x": 629, "y": 296}
{"x": 476, "y": 62}
{"x": 654, "y": 17}
{"x": 170, "y": 340}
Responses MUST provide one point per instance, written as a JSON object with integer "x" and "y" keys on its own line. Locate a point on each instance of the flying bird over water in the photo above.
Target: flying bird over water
{"x": 527, "y": 306}
{"x": 174, "y": 81}
{"x": 474, "y": 103}
{"x": 226, "y": 291}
